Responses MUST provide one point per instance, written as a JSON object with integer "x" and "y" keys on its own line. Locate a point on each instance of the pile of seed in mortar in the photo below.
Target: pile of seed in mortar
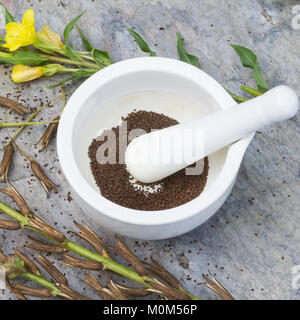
{"x": 116, "y": 184}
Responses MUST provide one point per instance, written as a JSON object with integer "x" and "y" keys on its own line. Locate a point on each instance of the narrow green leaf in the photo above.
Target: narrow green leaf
{"x": 22, "y": 57}
{"x": 260, "y": 81}
{"x": 183, "y": 55}
{"x": 238, "y": 99}
{"x": 87, "y": 45}
{"x": 2, "y": 39}
{"x": 101, "y": 57}
{"x": 141, "y": 43}
{"x": 248, "y": 58}
{"x": 253, "y": 92}
{"x": 70, "y": 27}
{"x": 81, "y": 73}
{"x": 70, "y": 52}
{"x": 7, "y": 16}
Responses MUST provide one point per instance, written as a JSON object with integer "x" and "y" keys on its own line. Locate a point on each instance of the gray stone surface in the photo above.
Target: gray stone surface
{"x": 252, "y": 242}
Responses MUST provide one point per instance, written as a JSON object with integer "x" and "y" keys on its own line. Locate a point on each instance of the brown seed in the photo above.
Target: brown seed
{"x": 114, "y": 181}
{"x": 17, "y": 107}
{"x": 40, "y": 174}
{"x": 6, "y": 161}
{"x": 48, "y": 134}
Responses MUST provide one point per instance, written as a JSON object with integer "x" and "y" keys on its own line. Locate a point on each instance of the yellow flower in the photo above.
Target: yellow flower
{"x": 47, "y": 39}
{"x": 22, "y": 73}
{"x": 20, "y": 34}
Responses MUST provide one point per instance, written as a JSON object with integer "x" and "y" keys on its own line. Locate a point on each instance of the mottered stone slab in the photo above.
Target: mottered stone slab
{"x": 252, "y": 242}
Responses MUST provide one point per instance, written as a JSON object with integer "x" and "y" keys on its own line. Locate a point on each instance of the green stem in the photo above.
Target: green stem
{"x": 252, "y": 91}
{"x": 108, "y": 263}
{"x": 18, "y": 124}
{"x": 43, "y": 282}
{"x": 32, "y": 116}
{"x": 70, "y": 61}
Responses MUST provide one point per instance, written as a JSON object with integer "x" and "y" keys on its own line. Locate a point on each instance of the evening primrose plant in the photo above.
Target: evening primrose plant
{"x": 44, "y": 53}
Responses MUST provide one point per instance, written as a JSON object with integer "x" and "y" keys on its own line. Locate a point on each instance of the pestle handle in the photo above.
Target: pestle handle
{"x": 156, "y": 155}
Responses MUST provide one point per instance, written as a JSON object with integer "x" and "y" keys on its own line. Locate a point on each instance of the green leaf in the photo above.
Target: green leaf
{"x": 70, "y": 27}
{"x": 7, "y": 16}
{"x": 70, "y": 52}
{"x": 87, "y": 45}
{"x": 22, "y": 57}
{"x": 248, "y": 58}
{"x": 81, "y": 73}
{"x": 101, "y": 57}
{"x": 183, "y": 55}
{"x": 238, "y": 99}
{"x": 141, "y": 43}
{"x": 259, "y": 79}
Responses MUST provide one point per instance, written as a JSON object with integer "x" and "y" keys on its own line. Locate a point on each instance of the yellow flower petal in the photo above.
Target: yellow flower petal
{"x": 20, "y": 35}
{"x": 49, "y": 37}
{"x": 22, "y": 73}
{"x": 28, "y": 18}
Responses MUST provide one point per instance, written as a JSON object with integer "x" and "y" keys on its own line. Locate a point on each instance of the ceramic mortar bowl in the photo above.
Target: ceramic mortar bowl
{"x": 167, "y": 86}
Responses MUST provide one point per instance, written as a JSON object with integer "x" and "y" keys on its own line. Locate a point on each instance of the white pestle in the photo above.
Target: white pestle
{"x": 156, "y": 155}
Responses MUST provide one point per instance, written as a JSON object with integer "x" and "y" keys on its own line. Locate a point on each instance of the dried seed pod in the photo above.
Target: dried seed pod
{"x": 15, "y": 291}
{"x": 2, "y": 257}
{"x": 6, "y": 161}
{"x": 42, "y": 226}
{"x": 71, "y": 294}
{"x": 163, "y": 274}
{"x": 44, "y": 180}
{"x": 34, "y": 292}
{"x": 10, "y": 225}
{"x": 17, "y": 107}
{"x": 115, "y": 291}
{"x": 51, "y": 269}
{"x": 133, "y": 292}
{"x": 30, "y": 265}
{"x": 92, "y": 282}
{"x": 127, "y": 254}
{"x": 38, "y": 172}
{"x": 43, "y": 246}
{"x": 48, "y": 134}
{"x": 170, "y": 292}
{"x": 216, "y": 287}
{"x": 12, "y": 192}
{"x": 91, "y": 237}
{"x": 72, "y": 261}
